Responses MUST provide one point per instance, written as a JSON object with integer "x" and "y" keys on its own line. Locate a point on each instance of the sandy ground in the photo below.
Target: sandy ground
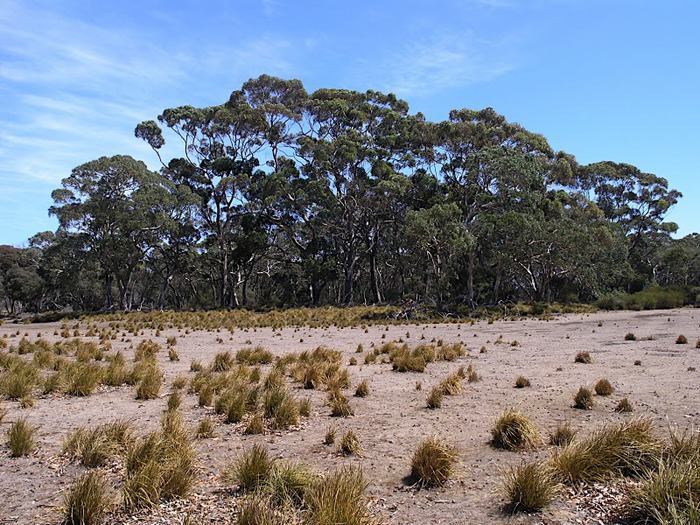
{"x": 393, "y": 419}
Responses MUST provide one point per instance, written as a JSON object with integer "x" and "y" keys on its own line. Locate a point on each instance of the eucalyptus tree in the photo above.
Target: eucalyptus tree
{"x": 108, "y": 207}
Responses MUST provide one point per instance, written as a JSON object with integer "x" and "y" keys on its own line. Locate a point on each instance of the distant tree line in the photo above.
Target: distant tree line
{"x": 281, "y": 198}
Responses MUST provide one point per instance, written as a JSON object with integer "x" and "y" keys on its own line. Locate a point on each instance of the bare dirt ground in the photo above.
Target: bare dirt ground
{"x": 393, "y": 419}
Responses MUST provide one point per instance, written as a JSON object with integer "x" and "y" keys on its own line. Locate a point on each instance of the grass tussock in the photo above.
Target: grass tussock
{"x": 681, "y": 340}
{"x": 603, "y": 387}
{"x": 522, "y": 382}
{"x": 627, "y": 448}
{"x": 160, "y": 466}
{"x": 255, "y": 426}
{"x": 93, "y": 447}
{"x": 434, "y": 399}
{"x": 562, "y": 435}
{"x": 583, "y": 400}
{"x": 21, "y": 438}
{"x": 529, "y": 487}
{"x": 362, "y": 389}
{"x": 452, "y": 385}
{"x": 339, "y": 498}
{"x": 340, "y": 405}
{"x": 254, "y": 356}
{"x": 205, "y": 428}
{"x": 251, "y": 469}
{"x": 350, "y": 444}
{"x": 583, "y": 357}
{"x": 150, "y": 383}
{"x": 515, "y": 431}
{"x": 623, "y": 406}
{"x": 87, "y": 501}
{"x": 434, "y": 462}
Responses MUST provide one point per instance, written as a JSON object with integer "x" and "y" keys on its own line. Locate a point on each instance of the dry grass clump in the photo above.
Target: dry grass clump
{"x": 362, "y": 389}
{"x": 280, "y": 405}
{"x": 603, "y": 387}
{"x": 434, "y": 399}
{"x": 339, "y": 498}
{"x": 92, "y": 447}
{"x": 583, "y": 399}
{"x": 350, "y": 444}
{"x": 254, "y": 356}
{"x": 289, "y": 483}
{"x": 340, "y": 406}
{"x": 629, "y": 336}
{"x": 404, "y": 360}
{"x": 19, "y": 379}
{"x": 472, "y": 375}
{"x": 146, "y": 351}
{"x": 529, "y": 487}
{"x": 329, "y": 438}
{"x": 87, "y": 500}
{"x": 623, "y": 406}
{"x": 515, "y": 431}
{"x": 256, "y": 425}
{"x": 260, "y": 509}
{"x": 150, "y": 382}
{"x": 205, "y": 428}
{"x": 173, "y": 355}
{"x": 116, "y": 372}
{"x": 628, "y": 448}
{"x": 160, "y": 466}
{"x": 681, "y": 340}
{"x": 223, "y": 362}
{"x": 522, "y": 382}
{"x": 251, "y": 469}
{"x": 697, "y": 343}
{"x": 433, "y": 462}
{"x": 21, "y": 438}
{"x": 81, "y": 379}
{"x": 583, "y": 357}
{"x": 562, "y": 435}
{"x": 452, "y": 385}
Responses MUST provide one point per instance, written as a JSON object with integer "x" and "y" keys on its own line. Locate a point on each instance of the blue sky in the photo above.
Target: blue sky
{"x": 601, "y": 79}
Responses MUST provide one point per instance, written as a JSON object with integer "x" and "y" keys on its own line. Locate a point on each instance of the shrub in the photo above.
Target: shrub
{"x": 583, "y": 357}
{"x": 87, "y": 500}
{"x": 513, "y": 431}
{"x": 20, "y": 438}
{"x": 339, "y": 498}
{"x": 522, "y": 382}
{"x": 603, "y": 387}
{"x": 434, "y": 399}
{"x": 529, "y": 487}
{"x": 349, "y": 444}
{"x": 681, "y": 340}
{"x": 433, "y": 462}
{"x": 562, "y": 435}
{"x": 583, "y": 399}
{"x": 252, "y": 469}
{"x": 362, "y": 389}
{"x": 627, "y": 448}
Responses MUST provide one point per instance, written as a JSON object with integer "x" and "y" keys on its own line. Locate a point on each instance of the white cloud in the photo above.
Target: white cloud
{"x": 442, "y": 62}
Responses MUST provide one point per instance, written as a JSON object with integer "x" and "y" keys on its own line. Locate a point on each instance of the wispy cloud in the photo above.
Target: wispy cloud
{"x": 431, "y": 65}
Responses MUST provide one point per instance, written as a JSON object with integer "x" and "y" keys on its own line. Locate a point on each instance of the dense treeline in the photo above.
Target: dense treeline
{"x": 281, "y": 198}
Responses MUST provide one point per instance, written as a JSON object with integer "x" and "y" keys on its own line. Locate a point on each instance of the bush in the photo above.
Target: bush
{"x": 87, "y": 501}
{"x": 433, "y": 462}
{"x": 514, "y": 431}
{"x": 529, "y": 487}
